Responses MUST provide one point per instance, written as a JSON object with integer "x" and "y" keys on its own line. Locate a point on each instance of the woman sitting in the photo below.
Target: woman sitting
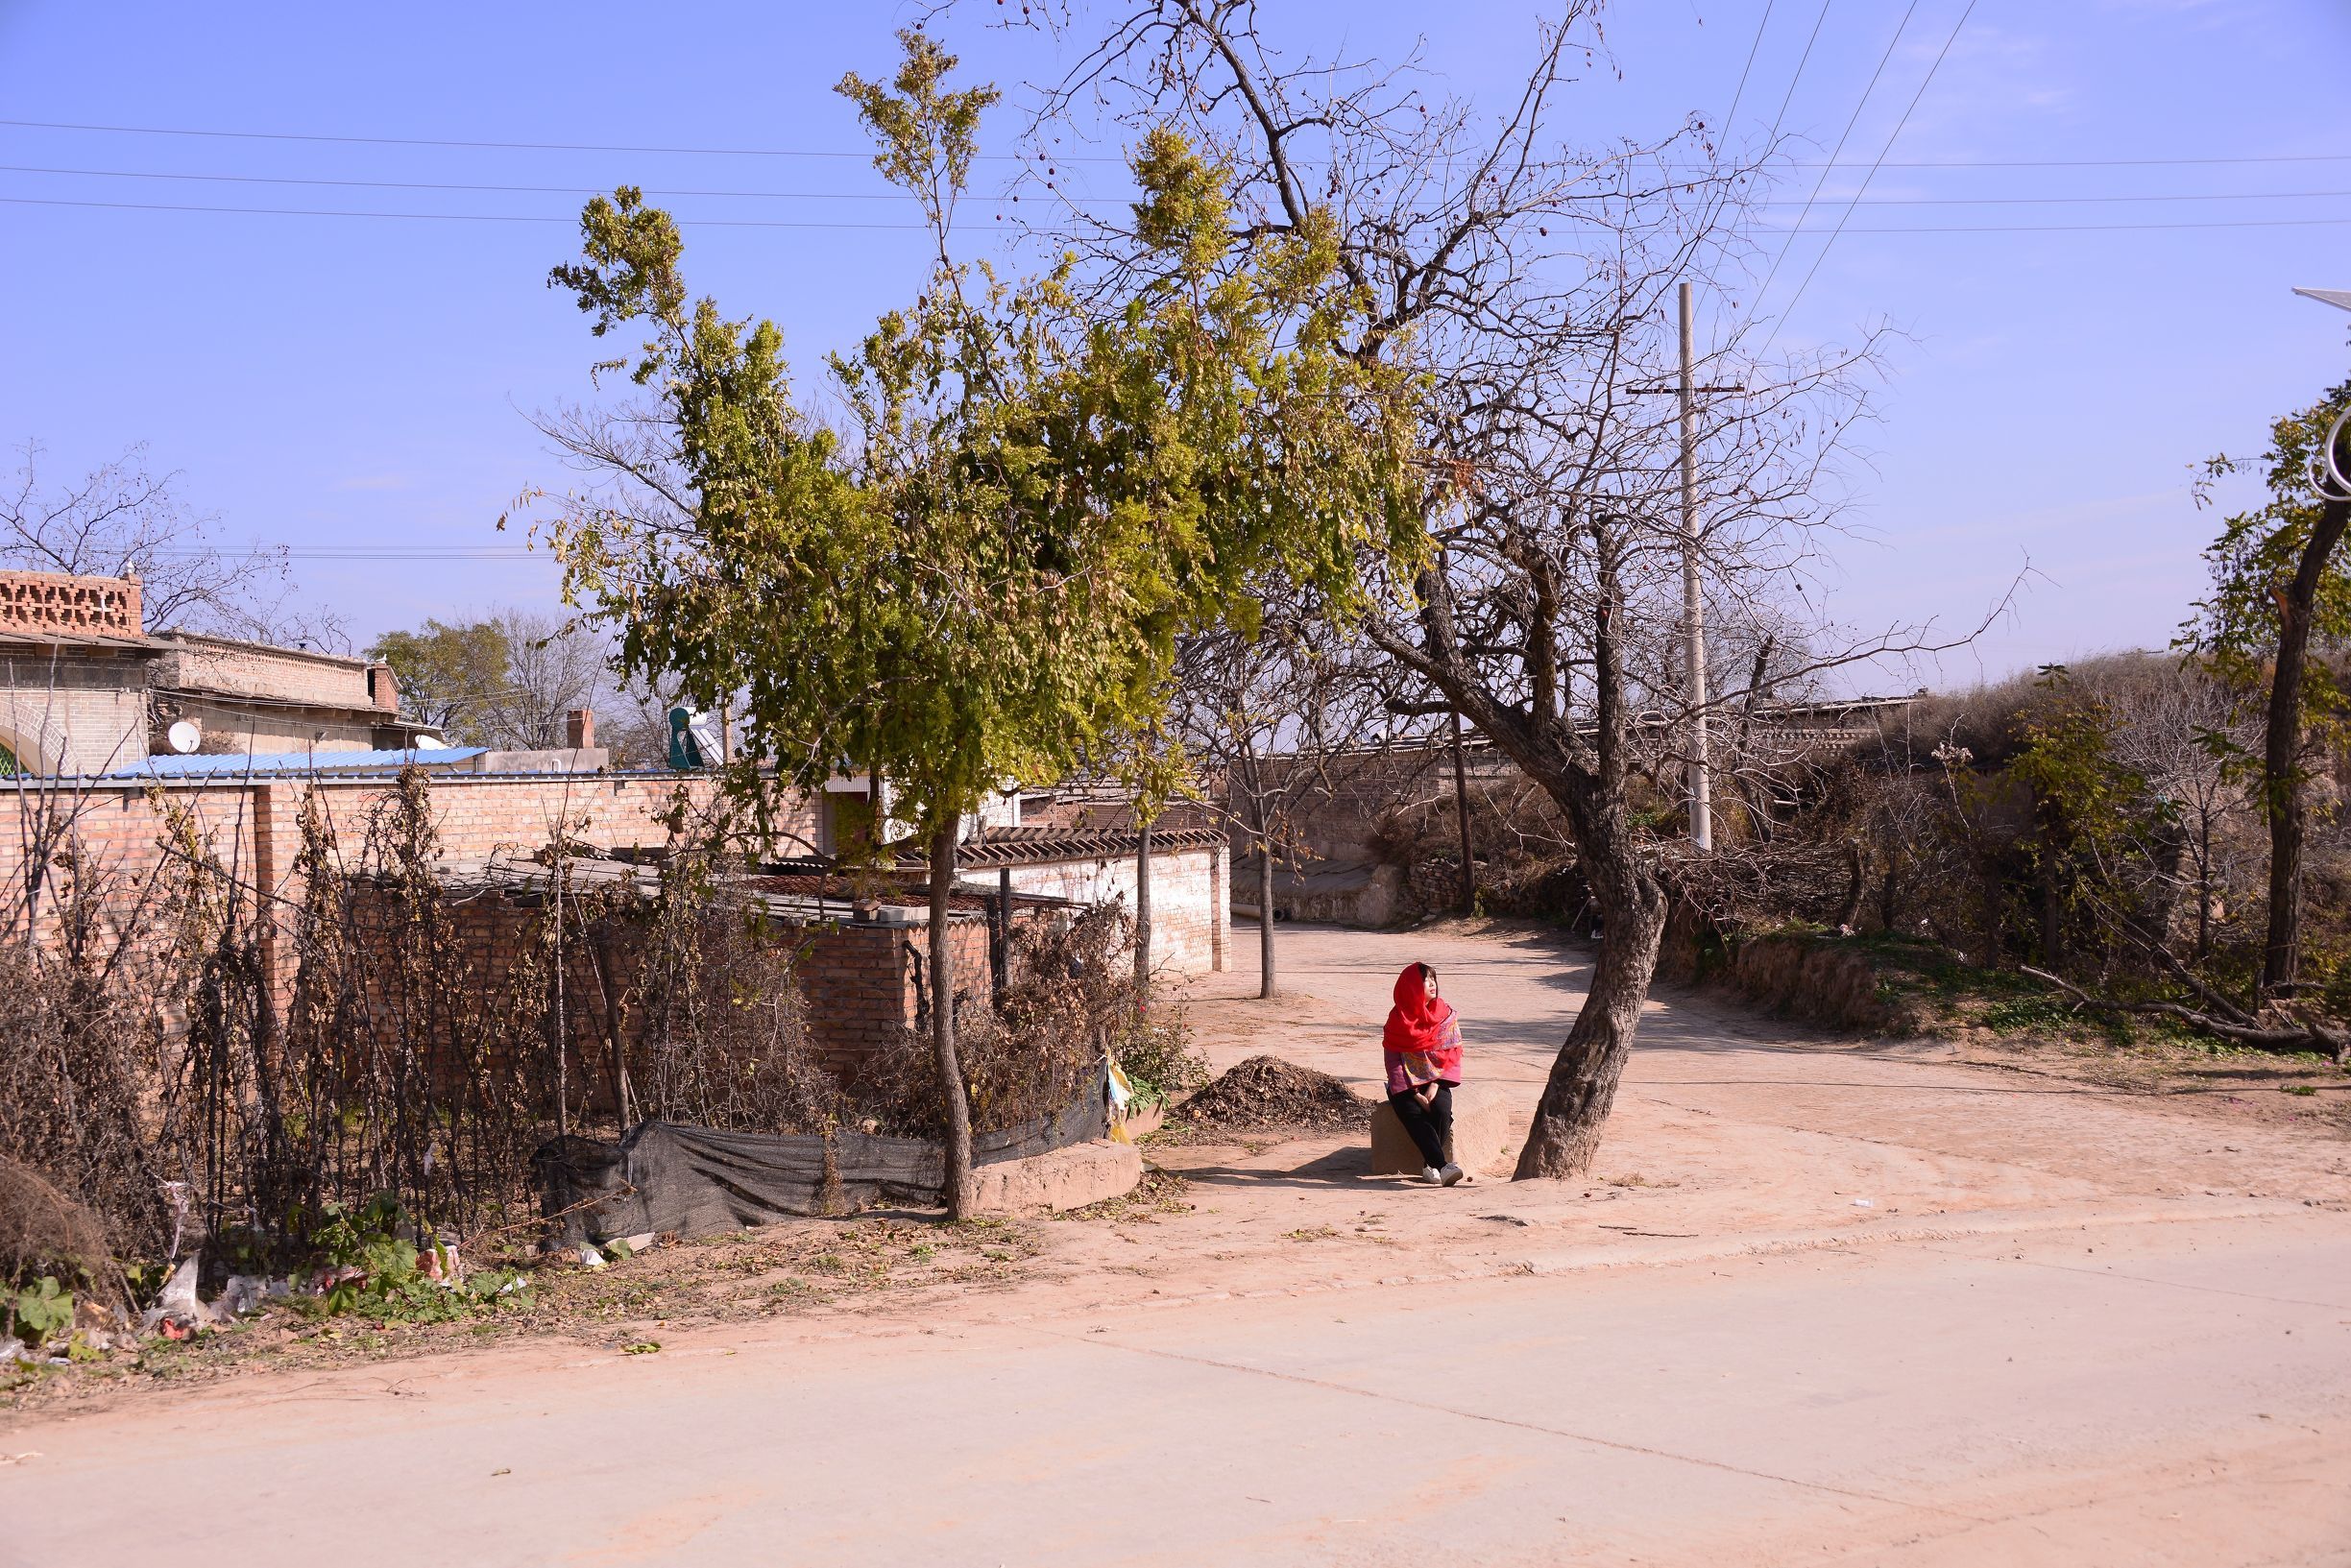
{"x": 1423, "y": 1048}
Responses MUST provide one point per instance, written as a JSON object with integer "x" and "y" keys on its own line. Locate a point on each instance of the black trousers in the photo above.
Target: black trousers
{"x": 1430, "y": 1125}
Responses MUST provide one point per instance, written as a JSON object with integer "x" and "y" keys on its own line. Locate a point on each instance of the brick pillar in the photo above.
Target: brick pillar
{"x": 382, "y": 690}
{"x": 579, "y": 729}
{"x": 271, "y": 817}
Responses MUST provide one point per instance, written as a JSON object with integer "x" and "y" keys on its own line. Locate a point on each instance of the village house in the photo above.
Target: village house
{"x": 87, "y": 689}
{"x": 108, "y": 729}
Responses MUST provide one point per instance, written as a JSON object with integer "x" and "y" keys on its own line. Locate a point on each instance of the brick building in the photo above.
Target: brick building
{"x": 107, "y": 730}
{"x": 85, "y": 689}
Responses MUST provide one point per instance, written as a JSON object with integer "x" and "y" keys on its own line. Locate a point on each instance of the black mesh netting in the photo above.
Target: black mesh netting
{"x": 665, "y": 1177}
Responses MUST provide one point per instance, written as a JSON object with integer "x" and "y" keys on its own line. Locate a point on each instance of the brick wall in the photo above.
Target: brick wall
{"x": 863, "y": 986}
{"x": 71, "y": 712}
{"x": 863, "y": 983}
{"x": 256, "y": 669}
{"x": 48, "y": 601}
{"x": 1191, "y": 900}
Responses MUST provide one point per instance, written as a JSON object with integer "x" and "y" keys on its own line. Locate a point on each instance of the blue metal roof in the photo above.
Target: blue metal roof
{"x": 239, "y": 765}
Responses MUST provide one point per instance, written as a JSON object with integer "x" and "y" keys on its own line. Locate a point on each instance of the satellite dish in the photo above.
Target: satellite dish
{"x": 428, "y": 741}
{"x": 183, "y": 737}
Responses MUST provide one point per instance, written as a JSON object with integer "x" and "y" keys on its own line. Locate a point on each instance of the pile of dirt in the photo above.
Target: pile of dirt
{"x": 1265, "y": 1093}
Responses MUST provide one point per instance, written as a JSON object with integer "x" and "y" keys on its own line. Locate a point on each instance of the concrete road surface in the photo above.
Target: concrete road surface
{"x": 2158, "y": 1395}
{"x": 2063, "y": 1356}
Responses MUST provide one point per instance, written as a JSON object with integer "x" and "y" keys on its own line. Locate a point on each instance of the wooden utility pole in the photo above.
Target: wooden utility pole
{"x": 1461, "y": 812}
{"x": 1693, "y": 602}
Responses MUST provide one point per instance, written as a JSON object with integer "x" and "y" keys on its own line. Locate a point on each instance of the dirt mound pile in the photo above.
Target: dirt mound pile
{"x": 1265, "y": 1092}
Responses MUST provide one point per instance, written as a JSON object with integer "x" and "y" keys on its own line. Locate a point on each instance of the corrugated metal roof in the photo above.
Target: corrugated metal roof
{"x": 239, "y": 765}
{"x": 1047, "y": 843}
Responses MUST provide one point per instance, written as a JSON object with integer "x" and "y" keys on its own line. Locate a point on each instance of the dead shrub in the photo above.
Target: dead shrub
{"x": 1068, "y": 999}
{"x": 78, "y": 1111}
{"x": 44, "y": 1232}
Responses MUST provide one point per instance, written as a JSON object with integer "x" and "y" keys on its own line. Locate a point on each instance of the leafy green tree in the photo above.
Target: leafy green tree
{"x": 450, "y": 675}
{"x": 2092, "y": 812}
{"x": 506, "y": 679}
{"x": 2281, "y": 594}
{"x": 983, "y": 572}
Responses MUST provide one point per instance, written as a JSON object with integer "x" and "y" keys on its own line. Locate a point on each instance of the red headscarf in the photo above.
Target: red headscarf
{"x": 1417, "y": 1023}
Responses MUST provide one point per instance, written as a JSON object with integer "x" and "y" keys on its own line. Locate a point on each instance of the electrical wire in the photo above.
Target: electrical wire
{"x": 1898, "y": 127}
{"x": 490, "y": 146}
{"x": 894, "y": 196}
{"x": 1742, "y": 92}
{"x": 1079, "y": 158}
{"x": 350, "y": 552}
{"x": 1900, "y": 28}
{"x": 899, "y": 196}
{"x": 753, "y": 222}
{"x": 434, "y": 184}
{"x": 1772, "y": 140}
{"x": 441, "y": 217}
{"x": 2072, "y": 229}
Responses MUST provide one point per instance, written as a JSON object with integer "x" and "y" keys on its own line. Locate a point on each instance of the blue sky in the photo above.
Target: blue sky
{"x": 352, "y": 381}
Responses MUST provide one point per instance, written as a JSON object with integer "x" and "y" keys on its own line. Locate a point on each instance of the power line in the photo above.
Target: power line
{"x": 438, "y": 217}
{"x": 2072, "y": 229}
{"x": 1082, "y": 157}
{"x": 1742, "y": 92}
{"x": 753, "y": 222}
{"x": 2081, "y": 201}
{"x": 894, "y": 196}
{"x": 1900, "y": 28}
{"x": 2091, "y": 162}
{"x": 489, "y": 146}
{"x": 350, "y": 552}
{"x": 899, "y": 196}
{"x": 431, "y": 185}
{"x": 1898, "y": 127}
{"x": 1801, "y": 59}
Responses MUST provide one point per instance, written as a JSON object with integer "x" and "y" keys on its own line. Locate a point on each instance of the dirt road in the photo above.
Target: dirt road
{"x": 2069, "y": 1326}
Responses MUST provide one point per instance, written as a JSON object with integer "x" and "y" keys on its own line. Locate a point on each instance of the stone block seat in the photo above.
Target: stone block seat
{"x": 1482, "y": 1140}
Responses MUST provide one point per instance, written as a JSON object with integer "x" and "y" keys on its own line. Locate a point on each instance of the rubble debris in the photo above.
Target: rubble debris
{"x": 178, "y": 1313}
{"x": 1266, "y": 1092}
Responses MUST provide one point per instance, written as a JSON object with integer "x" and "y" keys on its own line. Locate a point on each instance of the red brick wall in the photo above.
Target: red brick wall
{"x": 51, "y": 601}
{"x": 864, "y": 985}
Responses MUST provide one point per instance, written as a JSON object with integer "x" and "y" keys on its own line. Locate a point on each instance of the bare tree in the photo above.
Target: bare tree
{"x": 1279, "y": 715}
{"x": 552, "y": 666}
{"x": 504, "y": 679}
{"x": 1531, "y": 281}
{"x": 2177, "y": 729}
{"x": 123, "y": 520}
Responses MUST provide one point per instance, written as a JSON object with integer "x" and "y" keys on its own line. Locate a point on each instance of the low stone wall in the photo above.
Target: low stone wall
{"x": 1811, "y": 979}
{"x": 1056, "y": 1182}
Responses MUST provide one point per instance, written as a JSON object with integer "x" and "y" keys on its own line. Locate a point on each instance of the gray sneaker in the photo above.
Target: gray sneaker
{"x": 1450, "y": 1174}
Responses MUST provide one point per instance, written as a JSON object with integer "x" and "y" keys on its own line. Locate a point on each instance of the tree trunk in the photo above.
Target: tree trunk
{"x": 1582, "y": 1088}
{"x": 1265, "y": 920}
{"x": 1460, "y": 814}
{"x": 961, "y": 1191}
{"x": 1266, "y": 901}
{"x": 2204, "y": 887}
{"x": 1856, "y": 882}
{"x": 2281, "y": 752}
{"x": 1143, "y": 914}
